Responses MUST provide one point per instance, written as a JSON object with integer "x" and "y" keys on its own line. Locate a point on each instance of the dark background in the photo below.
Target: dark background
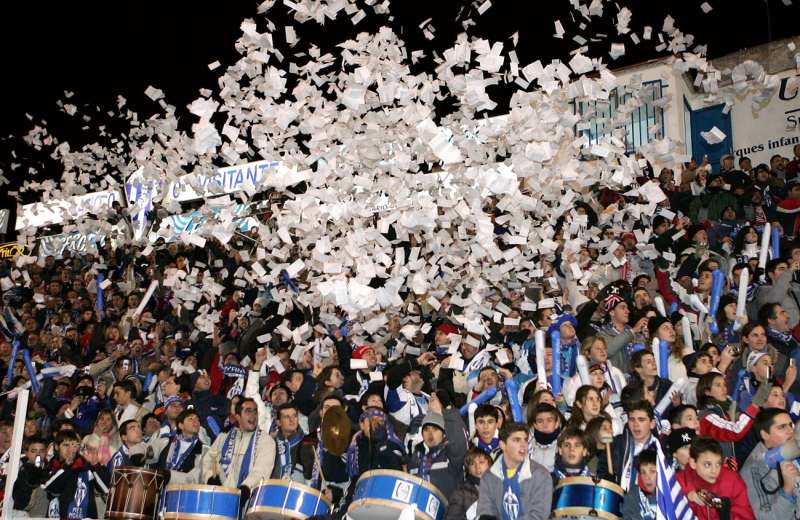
{"x": 102, "y": 49}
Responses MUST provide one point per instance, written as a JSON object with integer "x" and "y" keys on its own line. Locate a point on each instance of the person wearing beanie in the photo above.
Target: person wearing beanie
{"x": 620, "y": 337}
{"x": 567, "y": 325}
{"x": 437, "y": 459}
{"x": 677, "y": 445}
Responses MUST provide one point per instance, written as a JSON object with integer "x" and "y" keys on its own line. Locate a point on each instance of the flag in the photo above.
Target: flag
{"x": 671, "y": 503}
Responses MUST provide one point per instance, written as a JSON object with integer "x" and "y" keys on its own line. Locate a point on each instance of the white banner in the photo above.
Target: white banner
{"x": 773, "y": 129}
{"x": 5, "y": 215}
{"x": 229, "y": 179}
{"x": 59, "y": 211}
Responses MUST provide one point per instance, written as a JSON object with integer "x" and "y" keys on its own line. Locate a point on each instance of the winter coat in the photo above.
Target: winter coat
{"x": 447, "y": 466}
{"x": 536, "y": 487}
{"x": 460, "y": 502}
{"x": 728, "y": 485}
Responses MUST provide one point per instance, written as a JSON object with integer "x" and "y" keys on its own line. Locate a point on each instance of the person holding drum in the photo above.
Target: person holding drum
{"x": 437, "y": 459}
{"x": 243, "y": 456}
{"x": 180, "y": 459}
{"x": 515, "y": 488}
{"x": 638, "y": 436}
{"x": 130, "y": 432}
{"x": 173, "y": 407}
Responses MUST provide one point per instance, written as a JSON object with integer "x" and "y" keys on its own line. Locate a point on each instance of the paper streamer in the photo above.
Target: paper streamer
{"x": 775, "y": 237}
{"x": 686, "y": 328}
{"x": 212, "y": 425}
{"x": 26, "y": 358}
{"x": 765, "y": 235}
{"x": 512, "y": 394}
{"x": 11, "y": 360}
{"x": 146, "y": 298}
{"x": 583, "y": 369}
{"x": 471, "y": 407}
{"x": 741, "y": 298}
{"x": 665, "y": 401}
{"x": 481, "y": 398}
{"x": 100, "y": 305}
{"x": 716, "y": 291}
{"x": 659, "y": 301}
{"x": 541, "y": 371}
{"x": 555, "y": 343}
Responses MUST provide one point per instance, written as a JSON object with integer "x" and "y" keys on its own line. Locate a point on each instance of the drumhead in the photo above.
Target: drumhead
{"x": 378, "y": 509}
{"x": 407, "y": 477}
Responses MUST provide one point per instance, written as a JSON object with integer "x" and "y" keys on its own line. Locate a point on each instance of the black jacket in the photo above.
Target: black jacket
{"x": 447, "y": 466}
{"x": 208, "y": 405}
{"x": 463, "y": 498}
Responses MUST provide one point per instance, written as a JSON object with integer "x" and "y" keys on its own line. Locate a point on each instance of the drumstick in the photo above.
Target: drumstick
{"x": 606, "y": 440}
{"x": 322, "y": 483}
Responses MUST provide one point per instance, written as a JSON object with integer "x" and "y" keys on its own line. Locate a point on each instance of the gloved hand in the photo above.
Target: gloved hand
{"x": 762, "y": 394}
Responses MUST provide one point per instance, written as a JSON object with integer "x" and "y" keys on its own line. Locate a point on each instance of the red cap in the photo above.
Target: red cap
{"x": 447, "y": 328}
{"x": 360, "y": 351}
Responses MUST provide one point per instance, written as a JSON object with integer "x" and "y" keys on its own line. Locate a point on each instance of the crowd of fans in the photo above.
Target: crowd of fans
{"x": 120, "y": 384}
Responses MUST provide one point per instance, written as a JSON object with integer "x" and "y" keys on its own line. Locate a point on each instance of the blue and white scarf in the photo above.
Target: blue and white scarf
{"x": 238, "y": 374}
{"x": 285, "y": 452}
{"x": 512, "y": 494}
{"x": 227, "y": 454}
{"x": 176, "y": 458}
{"x": 426, "y": 460}
{"x": 120, "y": 458}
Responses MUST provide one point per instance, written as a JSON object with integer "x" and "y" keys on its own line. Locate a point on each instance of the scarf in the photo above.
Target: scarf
{"x": 238, "y": 374}
{"x": 227, "y": 454}
{"x": 546, "y": 439}
{"x": 629, "y": 473}
{"x": 646, "y": 510}
{"x": 176, "y": 458}
{"x": 120, "y": 458}
{"x": 512, "y": 493}
{"x": 783, "y": 337}
{"x": 564, "y": 470}
{"x": 78, "y": 507}
{"x": 384, "y": 433}
{"x": 489, "y": 448}
{"x": 426, "y": 461}
{"x": 285, "y": 452}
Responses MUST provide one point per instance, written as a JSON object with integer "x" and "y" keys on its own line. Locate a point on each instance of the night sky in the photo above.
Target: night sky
{"x": 100, "y": 50}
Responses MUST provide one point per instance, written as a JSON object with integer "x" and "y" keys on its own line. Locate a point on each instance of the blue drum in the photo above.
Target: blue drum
{"x": 585, "y": 496}
{"x": 275, "y": 499}
{"x": 195, "y": 501}
{"x": 384, "y": 494}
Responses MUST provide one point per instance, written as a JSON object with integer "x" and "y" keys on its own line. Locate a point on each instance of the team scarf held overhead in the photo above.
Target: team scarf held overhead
{"x": 238, "y": 374}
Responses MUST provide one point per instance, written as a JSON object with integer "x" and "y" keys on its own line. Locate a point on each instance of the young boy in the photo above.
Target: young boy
{"x": 515, "y": 487}
{"x": 714, "y": 491}
{"x": 678, "y": 445}
{"x": 73, "y": 480}
{"x": 464, "y": 502}
{"x": 546, "y": 426}
{"x": 640, "y": 501}
{"x": 487, "y": 418}
{"x": 28, "y": 494}
{"x": 685, "y": 416}
{"x": 573, "y": 453}
{"x": 130, "y": 433}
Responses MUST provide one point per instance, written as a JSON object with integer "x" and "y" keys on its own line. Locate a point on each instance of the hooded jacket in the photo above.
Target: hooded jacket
{"x": 446, "y": 471}
{"x": 536, "y": 487}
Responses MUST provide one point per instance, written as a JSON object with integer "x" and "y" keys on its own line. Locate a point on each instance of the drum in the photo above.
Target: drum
{"x": 585, "y": 496}
{"x": 384, "y": 494}
{"x": 134, "y": 493}
{"x": 275, "y": 499}
{"x": 194, "y": 501}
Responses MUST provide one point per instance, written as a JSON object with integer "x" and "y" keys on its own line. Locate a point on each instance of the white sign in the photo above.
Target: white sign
{"x": 229, "y": 179}
{"x": 774, "y": 129}
{"x": 63, "y": 210}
